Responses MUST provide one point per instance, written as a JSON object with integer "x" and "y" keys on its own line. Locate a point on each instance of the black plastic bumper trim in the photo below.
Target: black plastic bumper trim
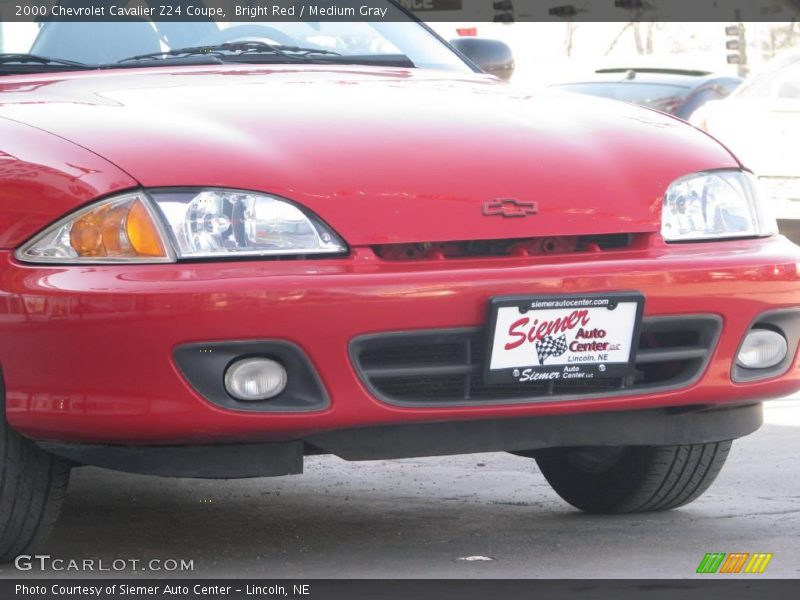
{"x": 652, "y": 427}
{"x": 221, "y": 461}
{"x": 659, "y": 427}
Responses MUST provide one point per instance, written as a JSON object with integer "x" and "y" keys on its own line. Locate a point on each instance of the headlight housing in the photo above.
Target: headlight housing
{"x": 215, "y": 223}
{"x": 164, "y": 225}
{"x": 119, "y": 229}
{"x": 714, "y": 205}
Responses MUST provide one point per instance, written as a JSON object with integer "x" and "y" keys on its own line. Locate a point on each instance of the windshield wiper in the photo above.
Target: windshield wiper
{"x": 255, "y": 51}
{"x": 46, "y": 61}
{"x": 292, "y": 53}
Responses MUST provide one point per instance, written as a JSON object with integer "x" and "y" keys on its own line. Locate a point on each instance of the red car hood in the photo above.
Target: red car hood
{"x": 383, "y": 155}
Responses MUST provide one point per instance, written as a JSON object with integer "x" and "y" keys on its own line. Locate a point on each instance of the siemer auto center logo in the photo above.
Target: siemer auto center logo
{"x": 734, "y": 563}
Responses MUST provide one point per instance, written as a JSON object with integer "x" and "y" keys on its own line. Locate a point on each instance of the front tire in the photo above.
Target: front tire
{"x": 33, "y": 484}
{"x": 629, "y": 479}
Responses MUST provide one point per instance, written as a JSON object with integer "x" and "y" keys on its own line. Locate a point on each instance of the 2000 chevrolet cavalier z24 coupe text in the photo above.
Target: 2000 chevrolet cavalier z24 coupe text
{"x": 290, "y": 239}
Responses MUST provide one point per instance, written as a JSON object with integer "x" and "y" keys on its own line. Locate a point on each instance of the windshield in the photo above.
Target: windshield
{"x": 104, "y": 43}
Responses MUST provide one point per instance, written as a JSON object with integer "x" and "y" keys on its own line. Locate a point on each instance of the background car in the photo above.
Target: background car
{"x": 760, "y": 123}
{"x": 676, "y": 91}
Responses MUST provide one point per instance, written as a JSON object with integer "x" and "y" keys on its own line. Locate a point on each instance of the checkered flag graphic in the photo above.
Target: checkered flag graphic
{"x": 550, "y": 346}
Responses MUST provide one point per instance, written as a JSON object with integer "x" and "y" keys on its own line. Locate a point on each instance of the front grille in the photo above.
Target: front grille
{"x": 440, "y": 368}
{"x": 538, "y": 246}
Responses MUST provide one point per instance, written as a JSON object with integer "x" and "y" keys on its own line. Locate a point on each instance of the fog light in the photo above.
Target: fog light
{"x": 762, "y": 349}
{"x": 255, "y": 379}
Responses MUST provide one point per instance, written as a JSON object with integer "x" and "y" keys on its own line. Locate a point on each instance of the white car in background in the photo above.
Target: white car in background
{"x": 760, "y": 123}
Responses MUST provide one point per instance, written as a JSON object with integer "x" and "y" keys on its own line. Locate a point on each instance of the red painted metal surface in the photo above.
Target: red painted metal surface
{"x": 42, "y": 177}
{"x": 86, "y": 352}
{"x": 385, "y": 156}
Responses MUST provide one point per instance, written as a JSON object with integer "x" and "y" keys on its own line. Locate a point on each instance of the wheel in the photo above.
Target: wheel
{"x": 33, "y": 484}
{"x": 627, "y": 479}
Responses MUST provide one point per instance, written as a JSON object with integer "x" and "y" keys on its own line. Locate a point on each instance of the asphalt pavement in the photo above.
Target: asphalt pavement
{"x": 486, "y": 515}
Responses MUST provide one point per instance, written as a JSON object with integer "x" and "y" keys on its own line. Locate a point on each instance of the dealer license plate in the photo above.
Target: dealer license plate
{"x": 551, "y": 338}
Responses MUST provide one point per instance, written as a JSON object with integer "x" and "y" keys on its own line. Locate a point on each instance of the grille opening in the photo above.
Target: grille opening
{"x": 536, "y": 246}
{"x": 445, "y": 387}
{"x": 668, "y": 339}
{"x": 435, "y": 368}
{"x": 656, "y": 373}
{"x": 440, "y": 353}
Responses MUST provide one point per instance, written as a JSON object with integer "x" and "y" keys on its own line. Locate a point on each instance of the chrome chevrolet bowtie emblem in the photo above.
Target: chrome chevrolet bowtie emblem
{"x": 509, "y": 207}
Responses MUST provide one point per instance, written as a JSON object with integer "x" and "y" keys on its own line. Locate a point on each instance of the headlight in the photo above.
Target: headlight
{"x": 714, "y": 205}
{"x": 163, "y": 225}
{"x": 120, "y": 229}
{"x": 216, "y": 223}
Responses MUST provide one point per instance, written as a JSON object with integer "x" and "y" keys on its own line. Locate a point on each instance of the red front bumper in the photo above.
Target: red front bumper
{"x": 87, "y": 352}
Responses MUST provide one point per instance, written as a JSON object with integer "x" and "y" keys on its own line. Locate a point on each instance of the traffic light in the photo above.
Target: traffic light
{"x": 563, "y": 12}
{"x": 736, "y": 45}
{"x": 630, "y": 4}
{"x": 505, "y": 11}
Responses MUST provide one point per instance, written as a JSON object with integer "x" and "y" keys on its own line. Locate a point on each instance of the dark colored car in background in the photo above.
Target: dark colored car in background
{"x": 676, "y": 91}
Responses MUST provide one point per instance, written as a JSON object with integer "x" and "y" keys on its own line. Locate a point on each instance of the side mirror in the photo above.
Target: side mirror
{"x": 492, "y": 56}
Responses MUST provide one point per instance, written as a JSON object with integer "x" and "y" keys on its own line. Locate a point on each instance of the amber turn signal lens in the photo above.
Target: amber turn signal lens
{"x": 122, "y": 229}
{"x": 142, "y": 232}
